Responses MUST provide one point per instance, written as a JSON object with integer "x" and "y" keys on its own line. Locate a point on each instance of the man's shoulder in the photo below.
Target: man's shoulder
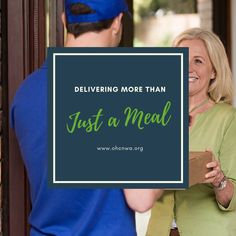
{"x": 34, "y": 84}
{"x": 31, "y": 95}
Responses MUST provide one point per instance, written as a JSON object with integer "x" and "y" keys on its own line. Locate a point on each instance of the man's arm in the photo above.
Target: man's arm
{"x": 141, "y": 200}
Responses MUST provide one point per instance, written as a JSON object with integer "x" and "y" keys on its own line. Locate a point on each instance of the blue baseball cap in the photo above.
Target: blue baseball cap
{"x": 102, "y": 10}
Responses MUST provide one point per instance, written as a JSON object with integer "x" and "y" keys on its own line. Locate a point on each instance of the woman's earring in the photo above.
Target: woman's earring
{"x": 213, "y": 75}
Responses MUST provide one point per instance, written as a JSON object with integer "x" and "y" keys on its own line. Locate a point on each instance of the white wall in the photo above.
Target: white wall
{"x": 233, "y": 24}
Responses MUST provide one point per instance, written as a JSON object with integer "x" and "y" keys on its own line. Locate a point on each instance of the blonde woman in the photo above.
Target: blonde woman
{"x": 207, "y": 209}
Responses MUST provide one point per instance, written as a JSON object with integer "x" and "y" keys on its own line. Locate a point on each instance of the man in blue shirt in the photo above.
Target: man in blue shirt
{"x": 65, "y": 211}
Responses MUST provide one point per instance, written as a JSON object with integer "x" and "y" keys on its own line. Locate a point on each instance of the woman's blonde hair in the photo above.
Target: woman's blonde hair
{"x": 221, "y": 87}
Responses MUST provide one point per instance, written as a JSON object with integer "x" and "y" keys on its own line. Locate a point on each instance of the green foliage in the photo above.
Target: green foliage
{"x": 145, "y": 8}
{"x": 166, "y": 41}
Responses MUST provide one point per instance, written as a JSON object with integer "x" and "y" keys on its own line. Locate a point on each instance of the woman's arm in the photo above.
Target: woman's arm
{"x": 224, "y": 193}
{"x": 226, "y": 166}
{"x": 141, "y": 200}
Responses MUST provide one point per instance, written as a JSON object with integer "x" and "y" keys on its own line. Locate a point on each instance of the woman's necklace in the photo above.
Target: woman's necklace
{"x": 196, "y": 107}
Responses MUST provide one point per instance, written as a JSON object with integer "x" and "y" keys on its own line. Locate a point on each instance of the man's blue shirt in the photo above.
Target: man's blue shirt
{"x": 61, "y": 211}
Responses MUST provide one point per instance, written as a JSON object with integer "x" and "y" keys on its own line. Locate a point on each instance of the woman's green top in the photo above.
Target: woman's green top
{"x": 196, "y": 210}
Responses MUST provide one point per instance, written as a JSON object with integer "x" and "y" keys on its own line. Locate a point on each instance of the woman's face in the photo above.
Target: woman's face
{"x": 200, "y": 68}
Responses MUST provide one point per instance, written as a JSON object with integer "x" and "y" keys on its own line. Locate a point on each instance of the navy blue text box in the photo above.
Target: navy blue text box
{"x": 118, "y": 117}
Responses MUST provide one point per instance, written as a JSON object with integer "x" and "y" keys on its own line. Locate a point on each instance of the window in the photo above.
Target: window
{"x": 157, "y": 22}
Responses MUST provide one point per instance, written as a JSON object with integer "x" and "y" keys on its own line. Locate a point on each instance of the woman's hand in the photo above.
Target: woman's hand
{"x": 215, "y": 177}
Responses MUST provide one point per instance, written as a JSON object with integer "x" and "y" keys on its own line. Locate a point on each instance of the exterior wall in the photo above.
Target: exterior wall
{"x": 204, "y": 8}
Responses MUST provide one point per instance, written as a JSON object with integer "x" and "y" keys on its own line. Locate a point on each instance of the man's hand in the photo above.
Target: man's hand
{"x": 141, "y": 200}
